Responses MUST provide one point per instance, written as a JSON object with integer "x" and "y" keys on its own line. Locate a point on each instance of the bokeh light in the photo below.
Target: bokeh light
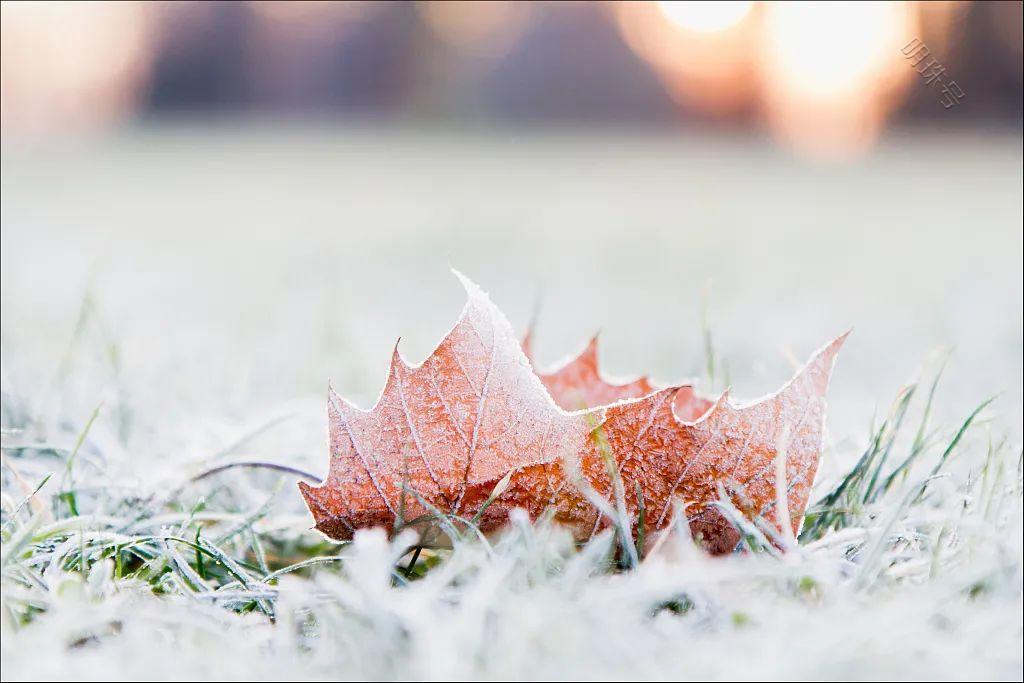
{"x": 701, "y": 51}
{"x": 480, "y": 28}
{"x": 705, "y": 17}
{"x": 829, "y": 50}
{"x": 824, "y": 78}
{"x": 830, "y": 72}
{"x": 72, "y": 65}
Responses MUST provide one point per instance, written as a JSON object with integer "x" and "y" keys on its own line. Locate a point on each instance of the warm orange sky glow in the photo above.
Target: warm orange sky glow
{"x": 823, "y": 78}
{"x": 829, "y": 50}
{"x": 700, "y": 50}
{"x": 65, "y": 62}
{"x": 705, "y": 17}
{"x": 825, "y": 75}
{"x": 830, "y": 72}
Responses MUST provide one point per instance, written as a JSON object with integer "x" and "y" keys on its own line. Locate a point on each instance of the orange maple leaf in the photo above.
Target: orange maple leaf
{"x": 444, "y": 433}
{"x": 578, "y": 384}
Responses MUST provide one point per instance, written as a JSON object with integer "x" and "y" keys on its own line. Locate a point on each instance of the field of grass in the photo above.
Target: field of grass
{"x": 175, "y": 301}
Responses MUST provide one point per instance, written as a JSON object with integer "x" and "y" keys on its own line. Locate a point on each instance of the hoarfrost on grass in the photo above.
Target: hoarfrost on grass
{"x": 913, "y": 575}
{"x": 195, "y": 371}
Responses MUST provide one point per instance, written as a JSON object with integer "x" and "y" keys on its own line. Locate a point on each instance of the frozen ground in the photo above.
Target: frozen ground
{"x": 202, "y": 285}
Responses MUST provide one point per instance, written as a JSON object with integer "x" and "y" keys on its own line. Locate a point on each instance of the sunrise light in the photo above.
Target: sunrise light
{"x": 705, "y": 17}
{"x": 829, "y": 72}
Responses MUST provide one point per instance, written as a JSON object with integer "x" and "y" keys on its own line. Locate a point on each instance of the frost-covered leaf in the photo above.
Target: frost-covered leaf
{"x": 443, "y": 430}
{"x": 443, "y": 434}
{"x": 578, "y": 383}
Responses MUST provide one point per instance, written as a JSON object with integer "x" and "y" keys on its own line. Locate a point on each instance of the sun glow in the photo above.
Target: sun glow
{"x": 68, "y": 65}
{"x": 829, "y": 72}
{"x": 701, "y": 51}
{"x": 705, "y": 17}
{"x": 830, "y": 49}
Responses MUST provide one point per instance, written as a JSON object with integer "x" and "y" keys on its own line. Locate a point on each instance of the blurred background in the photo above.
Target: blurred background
{"x": 246, "y": 199}
{"x": 823, "y": 79}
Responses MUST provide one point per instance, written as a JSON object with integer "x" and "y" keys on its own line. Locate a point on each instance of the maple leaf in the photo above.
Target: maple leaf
{"x": 444, "y": 433}
{"x": 578, "y": 384}
{"x": 470, "y": 413}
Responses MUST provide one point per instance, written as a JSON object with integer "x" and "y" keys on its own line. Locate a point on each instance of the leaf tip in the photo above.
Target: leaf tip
{"x": 723, "y": 400}
{"x": 824, "y": 358}
{"x": 396, "y": 357}
{"x": 472, "y": 288}
{"x": 590, "y": 351}
{"x": 311, "y": 495}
